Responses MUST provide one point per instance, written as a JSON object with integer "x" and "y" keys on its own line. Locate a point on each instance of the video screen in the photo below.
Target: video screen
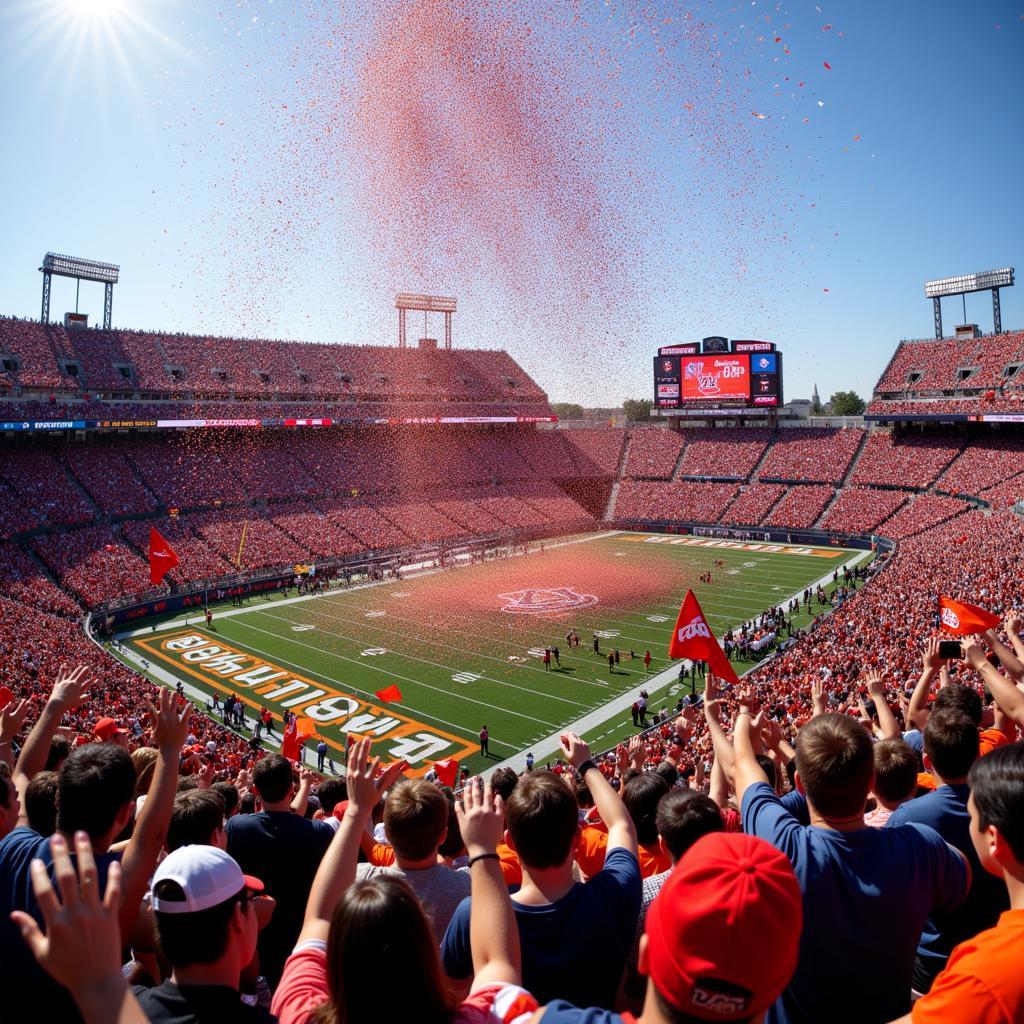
{"x": 707, "y": 378}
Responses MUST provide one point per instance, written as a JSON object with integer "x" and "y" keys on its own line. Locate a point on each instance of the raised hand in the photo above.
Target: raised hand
{"x": 1014, "y": 621}
{"x": 481, "y": 814}
{"x": 930, "y": 654}
{"x": 974, "y": 651}
{"x": 170, "y": 727}
{"x": 81, "y": 947}
{"x": 818, "y": 698}
{"x": 575, "y": 750}
{"x": 12, "y": 718}
{"x": 70, "y": 689}
{"x": 360, "y": 778}
{"x": 389, "y": 776}
{"x": 875, "y": 685}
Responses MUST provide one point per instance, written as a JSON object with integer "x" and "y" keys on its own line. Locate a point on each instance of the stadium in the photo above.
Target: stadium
{"x": 372, "y": 669}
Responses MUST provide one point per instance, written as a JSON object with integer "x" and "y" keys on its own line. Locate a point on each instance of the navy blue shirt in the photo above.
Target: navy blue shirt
{"x": 945, "y": 810}
{"x": 283, "y": 851}
{"x": 574, "y": 948}
{"x": 29, "y": 993}
{"x": 561, "y": 1012}
{"x": 867, "y": 895}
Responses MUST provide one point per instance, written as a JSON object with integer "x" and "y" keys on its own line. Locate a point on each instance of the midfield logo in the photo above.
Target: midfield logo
{"x": 545, "y": 601}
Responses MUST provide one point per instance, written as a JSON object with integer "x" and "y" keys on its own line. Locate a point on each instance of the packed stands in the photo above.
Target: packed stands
{"x": 913, "y": 461}
{"x": 861, "y": 509}
{"x": 92, "y": 563}
{"x": 921, "y": 512}
{"x": 36, "y": 478}
{"x": 811, "y": 455}
{"x": 801, "y": 506}
{"x": 753, "y": 503}
{"x": 983, "y": 463}
{"x": 727, "y": 453}
{"x": 109, "y": 479}
{"x": 597, "y": 451}
{"x": 692, "y": 501}
{"x": 652, "y": 454}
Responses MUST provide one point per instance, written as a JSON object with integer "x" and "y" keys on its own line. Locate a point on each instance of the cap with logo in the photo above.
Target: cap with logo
{"x": 105, "y": 728}
{"x": 723, "y": 934}
{"x": 207, "y": 876}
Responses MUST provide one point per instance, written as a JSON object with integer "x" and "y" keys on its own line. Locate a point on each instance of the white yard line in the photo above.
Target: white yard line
{"x": 550, "y": 745}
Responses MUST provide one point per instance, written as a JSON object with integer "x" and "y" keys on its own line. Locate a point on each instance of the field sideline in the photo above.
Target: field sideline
{"x": 463, "y": 644}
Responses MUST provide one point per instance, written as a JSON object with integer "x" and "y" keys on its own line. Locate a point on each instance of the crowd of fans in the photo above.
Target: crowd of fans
{"x": 753, "y": 503}
{"x": 953, "y": 364}
{"x": 811, "y": 455}
{"x": 652, "y": 454}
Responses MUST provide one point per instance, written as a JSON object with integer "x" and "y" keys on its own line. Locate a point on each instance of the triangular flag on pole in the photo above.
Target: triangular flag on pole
{"x": 692, "y": 638}
{"x": 390, "y": 694}
{"x": 162, "y": 558}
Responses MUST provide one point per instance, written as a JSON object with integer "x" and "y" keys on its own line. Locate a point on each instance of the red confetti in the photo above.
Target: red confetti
{"x": 828, "y": 67}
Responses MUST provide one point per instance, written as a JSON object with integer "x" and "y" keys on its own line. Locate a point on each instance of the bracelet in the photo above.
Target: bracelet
{"x": 585, "y": 767}
{"x": 482, "y": 856}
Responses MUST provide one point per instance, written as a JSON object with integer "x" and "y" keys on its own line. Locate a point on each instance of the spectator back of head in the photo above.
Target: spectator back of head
{"x": 895, "y": 770}
{"x": 331, "y": 793}
{"x": 229, "y": 794}
{"x": 641, "y": 796}
{"x": 94, "y": 788}
{"x": 684, "y": 815}
{"x": 503, "y": 781}
{"x": 835, "y": 764}
{"x": 196, "y": 819}
{"x": 41, "y": 803}
{"x": 958, "y": 697}
{"x": 272, "y": 778}
{"x": 543, "y": 818}
{"x": 951, "y": 743}
{"x": 415, "y": 818}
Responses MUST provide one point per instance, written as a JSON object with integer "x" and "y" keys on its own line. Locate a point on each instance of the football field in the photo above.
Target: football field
{"x": 464, "y": 645}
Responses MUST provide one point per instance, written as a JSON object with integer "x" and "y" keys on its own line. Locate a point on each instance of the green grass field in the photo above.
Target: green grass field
{"x": 463, "y": 644}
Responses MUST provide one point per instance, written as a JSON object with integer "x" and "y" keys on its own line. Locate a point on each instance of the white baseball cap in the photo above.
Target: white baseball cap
{"x": 207, "y": 876}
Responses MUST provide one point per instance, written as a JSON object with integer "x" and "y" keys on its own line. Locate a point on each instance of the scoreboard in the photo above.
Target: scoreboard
{"x": 718, "y": 373}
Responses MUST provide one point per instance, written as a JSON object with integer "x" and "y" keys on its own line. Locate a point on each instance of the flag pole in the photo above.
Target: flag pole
{"x": 241, "y": 545}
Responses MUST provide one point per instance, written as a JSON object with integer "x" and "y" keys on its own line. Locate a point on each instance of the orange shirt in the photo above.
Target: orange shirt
{"x": 510, "y": 866}
{"x": 591, "y": 850}
{"x": 989, "y": 739}
{"x": 983, "y": 981}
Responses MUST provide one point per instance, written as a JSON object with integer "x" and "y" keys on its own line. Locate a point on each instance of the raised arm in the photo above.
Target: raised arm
{"x": 170, "y": 727}
{"x": 1006, "y": 694}
{"x": 931, "y": 663}
{"x": 12, "y": 718}
{"x": 724, "y": 758}
{"x": 337, "y": 869}
{"x": 68, "y": 693}
{"x": 621, "y": 832}
{"x": 747, "y": 770}
{"x": 301, "y": 799}
{"x": 493, "y": 933}
{"x": 1013, "y": 628}
{"x": 886, "y": 719}
{"x": 1007, "y": 658}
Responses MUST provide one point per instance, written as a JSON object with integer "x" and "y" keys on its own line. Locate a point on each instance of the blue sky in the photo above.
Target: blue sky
{"x": 186, "y": 142}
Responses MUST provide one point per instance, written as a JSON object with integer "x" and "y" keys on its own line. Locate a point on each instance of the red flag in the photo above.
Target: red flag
{"x": 390, "y": 694}
{"x": 290, "y": 742}
{"x": 447, "y": 772}
{"x": 162, "y": 558}
{"x": 692, "y": 638}
{"x": 6, "y": 696}
{"x": 964, "y": 619}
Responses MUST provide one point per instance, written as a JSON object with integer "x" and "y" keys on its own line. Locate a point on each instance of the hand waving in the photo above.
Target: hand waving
{"x": 70, "y": 689}
{"x": 481, "y": 814}
{"x": 12, "y": 718}
{"x": 170, "y": 727}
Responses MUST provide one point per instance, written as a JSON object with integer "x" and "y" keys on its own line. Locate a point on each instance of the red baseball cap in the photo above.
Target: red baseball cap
{"x": 105, "y": 729}
{"x": 724, "y": 932}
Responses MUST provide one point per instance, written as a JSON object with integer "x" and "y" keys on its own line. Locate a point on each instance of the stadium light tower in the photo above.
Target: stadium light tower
{"x": 81, "y": 270}
{"x": 424, "y": 304}
{"x": 994, "y": 279}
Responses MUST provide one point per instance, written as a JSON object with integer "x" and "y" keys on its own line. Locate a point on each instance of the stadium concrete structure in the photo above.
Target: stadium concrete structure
{"x": 253, "y": 457}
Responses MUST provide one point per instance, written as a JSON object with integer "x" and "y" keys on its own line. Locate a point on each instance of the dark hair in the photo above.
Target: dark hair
{"x": 41, "y": 803}
{"x": 453, "y": 843}
{"x": 247, "y": 803}
{"x": 768, "y": 767}
{"x": 951, "y": 742}
{"x": 57, "y": 754}
{"x": 331, "y": 793}
{"x": 835, "y": 761}
{"x": 958, "y": 697}
{"x": 415, "y": 818}
{"x": 641, "y": 795}
{"x": 543, "y": 817}
{"x": 199, "y": 938}
{"x": 272, "y": 778}
{"x": 187, "y": 783}
{"x": 93, "y": 786}
{"x": 8, "y": 788}
{"x": 229, "y": 794}
{"x": 503, "y": 781}
{"x": 197, "y": 814}
{"x": 377, "y": 924}
{"x": 997, "y": 787}
{"x": 895, "y": 770}
{"x": 684, "y": 815}
{"x": 668, "y": 772}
